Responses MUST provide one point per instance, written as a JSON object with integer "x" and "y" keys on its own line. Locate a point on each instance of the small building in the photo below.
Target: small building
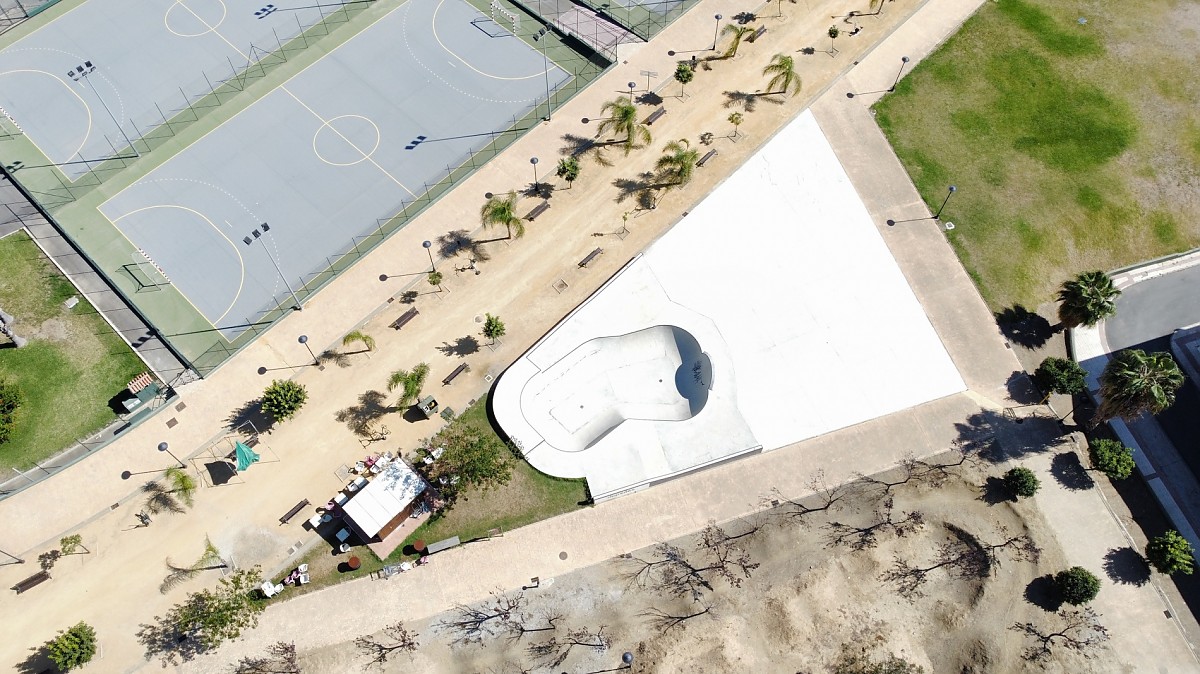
{"x": 381, "y": 507}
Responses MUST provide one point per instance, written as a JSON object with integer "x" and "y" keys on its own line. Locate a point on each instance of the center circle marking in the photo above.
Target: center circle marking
{"x": 190, "y": 17}
{"x": 345, "y": 136}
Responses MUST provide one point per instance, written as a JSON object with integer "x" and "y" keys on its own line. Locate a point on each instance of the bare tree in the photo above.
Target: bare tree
{"x": 964, "y": 556}
{"x": 555, "y": 650}
{"x": 393, "y": 639}
{"x": 825, "y": 498}
{"x": 494, "y": 617}
{"x": 279, "y": 659}
{"x": 1076, "y": 629}
{"x": 672, "y": 572}
{"x": 861, "y": 538}
{"x": 665, "y": 621}
{"x": 521, "y": 624}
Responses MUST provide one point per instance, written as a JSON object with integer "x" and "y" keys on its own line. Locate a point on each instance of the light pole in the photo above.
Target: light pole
{"x": 258, "y": 235}
{"x": 540, "y": 37}
{"x": 903, "y": 62}
{"x": 534, "y": 161}
{"x": 163, "y": 447}
{"x": 303, "y": 339}
{"x": 716, "y": 32}
{"x": 426, "y": 245}
{"x": 949, "y": 193}
{"x": 631, "y": 85}
{"x": 82, "y": 73}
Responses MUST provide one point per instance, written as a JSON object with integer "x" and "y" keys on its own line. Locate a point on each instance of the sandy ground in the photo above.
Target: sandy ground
{"x": 809, "y": 599}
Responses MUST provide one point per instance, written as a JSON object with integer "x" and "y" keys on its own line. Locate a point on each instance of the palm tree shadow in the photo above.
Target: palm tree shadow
{"x": 640, "y": 188}
{"x": 746, "y": 101}
{"x": 458, "y": 241}
{"x": 361, "y": 418}
{"x": 1070, "y": 473}
{"x": 1022, "y": 326}
{"x": 1126, "y": 566}
{"x": 329, "y": 356}
{"x": 462, "y": 347}
{"x": 589, "y": 148}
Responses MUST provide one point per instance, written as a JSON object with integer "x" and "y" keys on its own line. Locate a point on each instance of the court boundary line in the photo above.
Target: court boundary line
{"x": 436, "y": 37}
{"x": 86, "y": 135}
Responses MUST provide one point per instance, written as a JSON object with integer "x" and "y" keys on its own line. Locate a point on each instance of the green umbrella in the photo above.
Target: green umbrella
{"x": 245, "y": 456}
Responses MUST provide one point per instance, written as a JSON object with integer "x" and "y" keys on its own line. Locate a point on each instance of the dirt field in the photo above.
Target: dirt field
{"x": 819, "y": 591}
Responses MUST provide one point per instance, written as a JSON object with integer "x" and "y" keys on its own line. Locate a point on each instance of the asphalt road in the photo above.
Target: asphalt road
{"x": 1152, "y": 309}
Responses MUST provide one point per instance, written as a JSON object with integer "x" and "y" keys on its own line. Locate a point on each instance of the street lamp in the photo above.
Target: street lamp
{"x": 534, "y": 161}
{"x": 303, "y": 339}
{"x": 949, "y": 192}
{"x": 257, "y": 235}
{"x": 631, "y": 85}
{"x": 426, "y": 245}
{"x": 162, "y": 447}
{"x": 540, "y": 37}
{"x": 903, "y": 62}
{"x": 716, "y": 32}
{"x": 81, "y": 73}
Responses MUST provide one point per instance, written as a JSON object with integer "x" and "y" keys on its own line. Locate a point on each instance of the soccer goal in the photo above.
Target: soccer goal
{"x": 144, "y": 272}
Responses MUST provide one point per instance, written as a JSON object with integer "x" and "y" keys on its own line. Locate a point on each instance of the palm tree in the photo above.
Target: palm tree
{"x": 738, "y": 33}
{"x": 359, "y": 336}
{"x": 503, "y": 211}
{"x": 623, "y": 120}
{"x": 782, "y": 70}
{"x": 678, "y": 163}
{"x": 409, "y": 382}
{"x": 1135, "y": 382}
{"x": 172, "y": 497}
{"x": 1087, "y": 299}
{"x": 211, "y": 559}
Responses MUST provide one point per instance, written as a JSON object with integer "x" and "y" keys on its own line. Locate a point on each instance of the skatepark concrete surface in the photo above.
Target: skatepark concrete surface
{"x": 774, "y": 312}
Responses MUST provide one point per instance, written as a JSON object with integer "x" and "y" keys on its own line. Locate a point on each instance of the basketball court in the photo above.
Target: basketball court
{"x": 322, "y": 158}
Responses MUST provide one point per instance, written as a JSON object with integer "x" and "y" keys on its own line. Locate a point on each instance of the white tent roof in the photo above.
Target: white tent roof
{"x": 384, "y": 497}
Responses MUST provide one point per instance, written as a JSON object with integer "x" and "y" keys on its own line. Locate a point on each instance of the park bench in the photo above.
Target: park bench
{"x": 538, "y": 210}
{"x": 656, "y": 115}
{"x": 292, "y": 513}
{"x": 709, "y": 155}
{"x": 405, "y": 318}
{"x": 32, "y": 581}
{"x": 457, "y": 371}
{"x": 757, "y": 34}
{"x": 442, "y": 545}
{"x": 590, "y": 256}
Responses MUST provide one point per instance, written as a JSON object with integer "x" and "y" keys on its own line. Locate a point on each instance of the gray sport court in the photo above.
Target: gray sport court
{"x": 144, "y": 52}
{"x": 324, "y": 156}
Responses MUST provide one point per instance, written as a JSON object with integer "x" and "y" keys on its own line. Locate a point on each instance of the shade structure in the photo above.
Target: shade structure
{"x": 385, "y": 500}
{"x": 245, "y": 456}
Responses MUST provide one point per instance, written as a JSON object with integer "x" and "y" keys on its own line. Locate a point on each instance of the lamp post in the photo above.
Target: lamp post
{"x": 540, "y": 38}
{"x": 631, "y": 85}
{"x": 534, "y": 161}
{"x": 163, "y": 447}
{"x": 87, "y": 69}
{"x": 716, "y": 32}
{"x": 427, "y": 245}
{"x": 903, "y": 62}
{"x": 303, "y": 339}
{"x": 258, "y": 235}
{"x": 949, "y": 193}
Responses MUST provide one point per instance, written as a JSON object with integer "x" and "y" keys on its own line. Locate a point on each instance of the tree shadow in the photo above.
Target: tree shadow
{"x": 1070, "y": 473}
{"x": 408, "y": 297}
{"x": 164, "y": 641}
{"x": 1126, "y": 566}
{"x": 650, "y": 98}
{"x": 462, "y": 347}
{"x": 808, "y": 51}
{"x": 252, "y": 413}
{"x": 994, "y": 492}
{"x": 589, "y": 148}
{"x": 641, "y": 189}
{"x": 1022, "y": 326}
{"x": 743, "y": 18}
{"x": 746, "y": 101}
{"x": 38, "y": 661}
{"x": 360, "y": 419}
{"x": 331, "y": 357}
{"x": 458, "y": 241}
{"x": 1043, "y": 593}
{"x": 540, "y": 190}
{"x": 1021, "y": 389}
{"x": 994, "y": 437}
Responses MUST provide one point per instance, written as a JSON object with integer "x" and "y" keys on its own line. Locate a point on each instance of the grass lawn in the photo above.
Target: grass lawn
{"x": 1073, "y": 146}
{"x": 528, "y": 497}
{"x": 74, "y": 362}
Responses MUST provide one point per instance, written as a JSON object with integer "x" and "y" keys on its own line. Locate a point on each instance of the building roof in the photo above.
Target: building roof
{"x": 384, "y": 498}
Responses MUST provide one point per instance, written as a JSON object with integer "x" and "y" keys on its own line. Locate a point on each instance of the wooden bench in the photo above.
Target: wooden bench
{"x": 656, "y": 115}
{"x": 292, "y": 513}
{"x": 538, "y": 210}
{"x": 457, "y": 371}
{"x": 405, "y": 318}
{"x": 32, "y": 581}
{"x": 709, "y": 155}
{"x": 757, "y": 34}
{"x": 591, "y": 256}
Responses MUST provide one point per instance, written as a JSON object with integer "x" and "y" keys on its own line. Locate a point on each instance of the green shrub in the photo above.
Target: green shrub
{"x": 73, "y": 647}
{"x": 11, "y": 400}
{"x": 1061, "y": 376}
{"x": 1111, "y": 458}
{"x": 1170, "y": 553}
{"x": 1021, "y": 482}
{"x": 283, "y": 398}
{"x": 1077, "y": 585}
